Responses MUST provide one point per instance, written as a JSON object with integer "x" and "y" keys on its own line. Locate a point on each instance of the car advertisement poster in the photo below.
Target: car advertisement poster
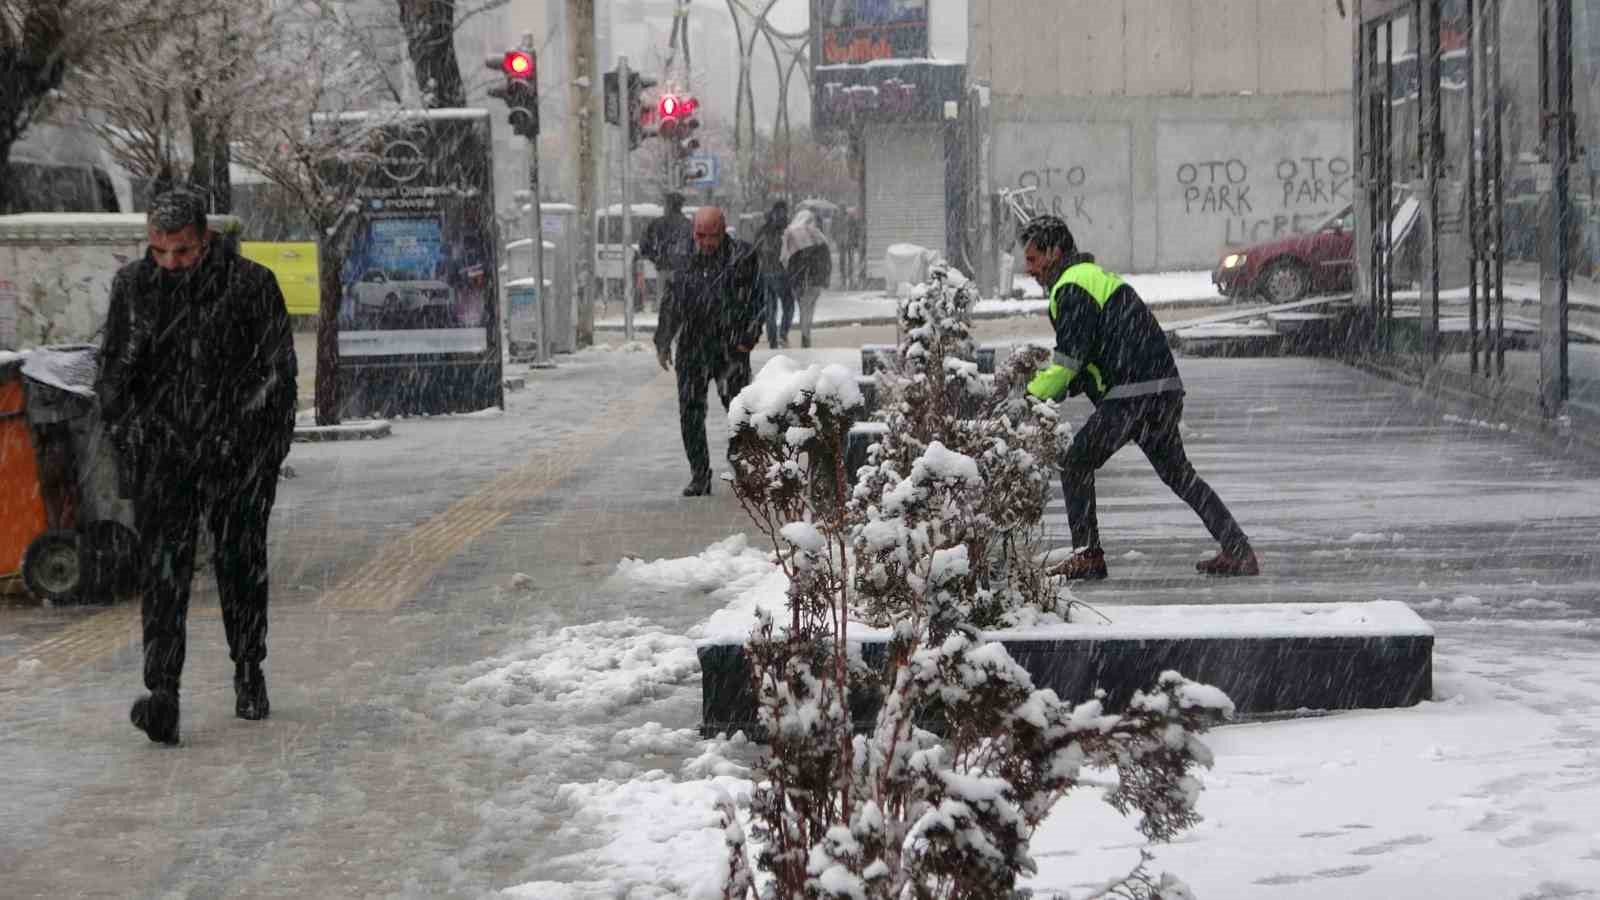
{"x": 419, "y": 303}
{"x": 417, "y": 278}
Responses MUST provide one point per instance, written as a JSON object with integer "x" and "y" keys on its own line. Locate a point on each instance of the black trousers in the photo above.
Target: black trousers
{"x": 169, "y": 518}
{"x": 1152, "y": 423}
{"x": 695, "y": 372}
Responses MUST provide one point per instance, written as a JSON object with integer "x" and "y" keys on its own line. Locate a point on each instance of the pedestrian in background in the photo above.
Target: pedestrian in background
{"x": 1110, "y": 347}
{"x": 774, "y": 280}
{"x": 713, "y": 315}
{"x": 809, "y": 264}
{"x": 667, "y": 243}
{"x": 196, "y": 383}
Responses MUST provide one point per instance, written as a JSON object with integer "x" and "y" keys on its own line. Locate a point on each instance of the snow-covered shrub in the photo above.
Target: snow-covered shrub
{"x": 941, "y": 794}
{"x": 935, "y": 396}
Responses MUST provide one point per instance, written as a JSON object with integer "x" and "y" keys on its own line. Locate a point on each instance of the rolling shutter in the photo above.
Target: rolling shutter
{"x": 905, "y": 189}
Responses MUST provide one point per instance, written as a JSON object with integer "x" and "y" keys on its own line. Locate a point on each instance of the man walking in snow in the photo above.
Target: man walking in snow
{"x": 1110, "y": 347}
{"x": 667, "y": 243}
{"x": 774, "y": 277}
{"x": 713, "y": 312}
{"x": 197, "y": 388}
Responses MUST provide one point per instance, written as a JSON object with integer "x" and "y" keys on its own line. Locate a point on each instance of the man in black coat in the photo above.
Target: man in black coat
{"x": 668, "y": 242}
{"x": 774, "y": 278}
{"x": 714, "y": 313}
{"x": 197, "y": 390}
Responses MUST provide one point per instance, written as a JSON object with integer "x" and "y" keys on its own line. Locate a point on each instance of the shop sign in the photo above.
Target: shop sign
{"x": 851, "y": 32}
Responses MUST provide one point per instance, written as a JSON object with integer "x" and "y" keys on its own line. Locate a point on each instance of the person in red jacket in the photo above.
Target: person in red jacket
{"x": 1110, "y": 347}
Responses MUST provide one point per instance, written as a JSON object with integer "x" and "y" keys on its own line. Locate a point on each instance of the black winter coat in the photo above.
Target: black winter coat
{"x": 668, "y": 242}
{"x": 713, "y": 307}
{"x": 197, "y": 374}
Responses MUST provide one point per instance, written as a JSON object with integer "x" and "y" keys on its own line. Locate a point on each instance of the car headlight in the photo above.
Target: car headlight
{"x": 1233, "y": 260}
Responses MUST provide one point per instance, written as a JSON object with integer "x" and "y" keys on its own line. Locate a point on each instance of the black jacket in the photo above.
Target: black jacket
{"x": 198, "y": 373}
{"x": 769, "y": 243}
{"x": 1113, "y": 344}
{"x": 668, "y": 242}
{"x": 713, "y": 306}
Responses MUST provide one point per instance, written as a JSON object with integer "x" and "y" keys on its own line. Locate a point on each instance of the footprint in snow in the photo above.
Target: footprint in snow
{"x": 1389, "y": 846}
{"x": 1537, "y": 833}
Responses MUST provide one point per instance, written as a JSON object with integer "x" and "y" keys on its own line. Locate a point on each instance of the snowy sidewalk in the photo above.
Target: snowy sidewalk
{"x": 1350, "y": 492}
{"x": 837, "y": 308}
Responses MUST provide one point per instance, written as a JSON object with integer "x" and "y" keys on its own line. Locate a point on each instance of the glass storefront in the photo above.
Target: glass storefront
{"x": 1479, "y": 136}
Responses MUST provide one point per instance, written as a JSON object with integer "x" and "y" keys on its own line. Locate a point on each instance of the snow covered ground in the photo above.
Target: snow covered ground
{"x": 1491, "y": 790}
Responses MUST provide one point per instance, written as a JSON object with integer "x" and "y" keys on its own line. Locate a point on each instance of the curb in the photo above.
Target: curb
{"x": 894, "y": 318}
{"x": 312, "y": 434}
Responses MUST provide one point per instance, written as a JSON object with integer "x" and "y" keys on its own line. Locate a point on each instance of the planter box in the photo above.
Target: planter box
{"x": 1272, "y": 658}
{"x": 882, "y": 356}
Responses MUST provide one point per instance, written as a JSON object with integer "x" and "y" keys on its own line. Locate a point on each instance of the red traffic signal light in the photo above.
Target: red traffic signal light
{"x": 518, "y": 64}
{"x": 669, "y": 107}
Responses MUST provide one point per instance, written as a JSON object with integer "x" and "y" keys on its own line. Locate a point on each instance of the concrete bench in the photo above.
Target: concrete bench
{"x": 1325, "y": 657}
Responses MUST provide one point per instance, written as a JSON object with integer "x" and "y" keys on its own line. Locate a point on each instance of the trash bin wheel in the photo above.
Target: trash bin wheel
{"x": 52, "y": 566}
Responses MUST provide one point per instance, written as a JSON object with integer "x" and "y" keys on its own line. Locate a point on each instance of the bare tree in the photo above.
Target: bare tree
{"x": 166, "y": 106}
{"x": 42, "y": 41}
{"x": 313, "y": 135}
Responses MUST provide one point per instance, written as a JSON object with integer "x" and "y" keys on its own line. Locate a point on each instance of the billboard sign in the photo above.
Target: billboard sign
{"x": 418, "y": 283}
{"x": 851, "y": 32}
{"x": 884, "y": 93}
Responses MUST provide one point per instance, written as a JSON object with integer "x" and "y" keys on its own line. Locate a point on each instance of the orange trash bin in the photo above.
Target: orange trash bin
{"x": 22, "y": 509}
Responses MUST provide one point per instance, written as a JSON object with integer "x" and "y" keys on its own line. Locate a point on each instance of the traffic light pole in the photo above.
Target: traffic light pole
{"x": 627, "y": 205}
{"x": 543, "y": 360}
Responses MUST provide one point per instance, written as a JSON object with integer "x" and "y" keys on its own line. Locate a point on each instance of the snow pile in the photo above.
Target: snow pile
{"x": 730, "y": 567}
{"x": 782, "y": 385}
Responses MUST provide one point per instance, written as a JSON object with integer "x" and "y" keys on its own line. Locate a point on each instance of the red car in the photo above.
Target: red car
{"x": 1321, "y": 261}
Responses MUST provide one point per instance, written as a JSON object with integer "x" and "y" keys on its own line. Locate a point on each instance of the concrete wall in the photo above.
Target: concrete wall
{"x": 1164, "y": 131}
{"x": 1149, "y": 48}
{"x": 1158, "y": 184}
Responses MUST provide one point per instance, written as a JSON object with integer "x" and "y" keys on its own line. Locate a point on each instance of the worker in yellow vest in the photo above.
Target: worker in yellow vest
{"x": 1110, "y": 347}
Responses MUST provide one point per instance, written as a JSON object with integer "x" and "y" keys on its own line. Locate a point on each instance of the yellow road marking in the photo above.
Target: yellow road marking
{"x": 405, "y": 565}
{"x": 401, "y": 568}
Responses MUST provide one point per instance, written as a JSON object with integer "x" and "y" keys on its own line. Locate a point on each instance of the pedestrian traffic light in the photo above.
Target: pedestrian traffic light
{"x": 678, "y": 122}
{"x": 521, "y": 89}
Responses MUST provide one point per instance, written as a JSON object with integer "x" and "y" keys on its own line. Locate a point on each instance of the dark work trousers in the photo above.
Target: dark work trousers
{"x": 1152, "y": 423}
{"x": 779, "y": 295}
{"x": 169, "y": 518}
{"x": 697, "y": 370}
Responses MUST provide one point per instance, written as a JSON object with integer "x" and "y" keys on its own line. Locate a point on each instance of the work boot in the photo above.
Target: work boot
{"x": 699, "y": 486}
{"x": 156, "y": 714}
{"x": 1225, "y": 564}
{"x": 1082, "y": 565}
{"x": 250, "y": 692}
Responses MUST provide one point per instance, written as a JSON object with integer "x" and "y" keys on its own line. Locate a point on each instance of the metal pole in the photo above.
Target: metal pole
{"x": 1473, "y": 156}
{"x": 627, "y": 200}
{"x": 581, "y": 71}
{"x": 536, "y": 229}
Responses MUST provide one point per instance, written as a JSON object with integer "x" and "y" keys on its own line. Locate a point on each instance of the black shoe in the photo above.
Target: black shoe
{"x": 157, "y": 716}
{"x": 250, "y": 693}
{"x": 700, "y": 487}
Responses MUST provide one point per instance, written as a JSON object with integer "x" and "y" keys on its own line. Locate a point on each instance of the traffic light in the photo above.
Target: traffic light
{"x": 520, "y": 91}
{"x": 636, "y": 84}
{"x": 678, "y": 122}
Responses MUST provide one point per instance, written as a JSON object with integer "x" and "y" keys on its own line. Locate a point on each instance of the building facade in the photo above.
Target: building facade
{"x": 1481, "y": 119}
{"x": 1165, "y": 131}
